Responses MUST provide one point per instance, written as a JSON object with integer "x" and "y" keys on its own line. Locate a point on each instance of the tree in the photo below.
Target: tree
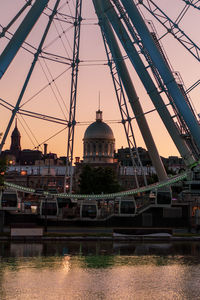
{"x": 152, "y": 179}
{"x": 98, "y": 180}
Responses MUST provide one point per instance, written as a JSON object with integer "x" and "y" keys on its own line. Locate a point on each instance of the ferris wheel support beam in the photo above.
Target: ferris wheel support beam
{"x": 131, "y": 92}
{"x": 21, "y": 34}
{"x": 33, "y": 114}
{"x": 171, "y": 27}
{"x": 147, "y": 82}
{"x": 163, "y": 69}
{"x": 193, "y": 3}
{"x": 15, "y": 110}
{"x": 180, "y": 122}
{"x": 73, "y": 95}
{"x": 126, "y": 119}
{"x": 15, "y": 18}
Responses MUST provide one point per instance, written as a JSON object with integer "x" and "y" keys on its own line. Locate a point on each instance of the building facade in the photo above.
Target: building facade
{"x": 98, "y": 142}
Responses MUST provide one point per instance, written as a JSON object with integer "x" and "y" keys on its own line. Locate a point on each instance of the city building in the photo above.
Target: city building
{"x": 124, "y": 157}
{"x": 35, "y": 169}
{"x": 15, "y": 155}
{"x": 15, "y": 146}
{"x": 98, "y": 148}
{"x": 98, "y": 142}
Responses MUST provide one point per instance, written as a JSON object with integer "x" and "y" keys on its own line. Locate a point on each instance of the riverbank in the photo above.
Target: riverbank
{"x": 92, "y": 234}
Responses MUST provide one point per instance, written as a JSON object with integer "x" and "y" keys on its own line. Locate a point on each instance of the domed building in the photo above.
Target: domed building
{"x": 98, "y": 142}
{"x": 98, "y": 149}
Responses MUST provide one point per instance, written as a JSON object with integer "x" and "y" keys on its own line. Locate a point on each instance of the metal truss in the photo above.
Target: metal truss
{"x": 106, "y": 25}
{"x": 171, "y": 26}
{"x": 194, "y": 3}
{"x": 33, "y": 114}
{"x": 126, "y": 119}
{"x": 157, "y": 185}
{"x": 182, "y": 126}
{"x": 193, "y": 86}
{"x": 73, "y": 94}
{"x": 129, "y": 47}
{"x": 12, "y": 47}
{"x": 134, "y": 55}
{"x": 5, "y": 29}
{"x": 21, "y": 34}
{"x": 136, "y": 39}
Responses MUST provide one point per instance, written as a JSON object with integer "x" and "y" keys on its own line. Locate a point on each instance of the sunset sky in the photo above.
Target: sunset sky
{"x": 94, "y": 78}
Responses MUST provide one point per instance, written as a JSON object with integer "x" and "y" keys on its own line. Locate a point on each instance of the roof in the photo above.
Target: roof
{"x": 98, "y": 130}
{"x": 16, "y": 132}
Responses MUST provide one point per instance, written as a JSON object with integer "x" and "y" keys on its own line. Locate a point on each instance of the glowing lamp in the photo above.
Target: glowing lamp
{"x": 23, "y": 173}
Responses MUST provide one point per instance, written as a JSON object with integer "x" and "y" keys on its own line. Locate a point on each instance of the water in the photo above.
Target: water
{"x": 99, "y": 270}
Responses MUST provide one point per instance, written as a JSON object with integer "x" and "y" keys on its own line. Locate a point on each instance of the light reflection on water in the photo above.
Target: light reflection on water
{"x": 99, "y": 270}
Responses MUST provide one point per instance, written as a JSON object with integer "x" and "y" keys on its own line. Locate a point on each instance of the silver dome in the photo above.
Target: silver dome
{"x": 98, "y": 130}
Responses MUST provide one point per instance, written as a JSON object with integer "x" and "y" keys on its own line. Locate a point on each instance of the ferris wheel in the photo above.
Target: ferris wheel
{"x": 46, "y": 55}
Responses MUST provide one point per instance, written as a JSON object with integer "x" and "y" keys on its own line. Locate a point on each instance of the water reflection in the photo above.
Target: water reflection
{"x": 85, "y": 248}
{"x": 99, "y": 270}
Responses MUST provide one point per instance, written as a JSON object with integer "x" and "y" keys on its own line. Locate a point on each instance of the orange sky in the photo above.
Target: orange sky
{"x": 94, "y": 77}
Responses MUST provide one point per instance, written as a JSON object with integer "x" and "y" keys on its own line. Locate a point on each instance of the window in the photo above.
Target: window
{"x": 106, "y": 149}
{"x": 100, "y": 149}
{"x": 88, "y": 149}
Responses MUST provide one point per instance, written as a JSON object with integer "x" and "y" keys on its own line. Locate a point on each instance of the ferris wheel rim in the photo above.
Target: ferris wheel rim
{"x": 26, "y": 1}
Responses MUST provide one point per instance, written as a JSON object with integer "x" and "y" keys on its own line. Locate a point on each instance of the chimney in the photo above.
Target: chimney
{"x": 45, "y": 149}
{"x": 77, "y": 159}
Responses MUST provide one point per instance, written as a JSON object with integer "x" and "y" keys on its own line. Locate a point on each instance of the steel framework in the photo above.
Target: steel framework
{"x": 121, "y": 19}
{"x": 74, "y": 81}
{"x": 12, "y": 48}
{"x": 171, "y": 27}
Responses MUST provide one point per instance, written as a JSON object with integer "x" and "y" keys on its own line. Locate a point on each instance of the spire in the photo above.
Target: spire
{"x": 16, "y": 131}
{"x": 15, "y": 146}
{"x": 99, "y": 112}
{"x": 99, "y": 100}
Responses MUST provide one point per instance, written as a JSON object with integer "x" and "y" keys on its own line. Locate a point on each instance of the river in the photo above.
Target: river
{"x": 99, "y": 270}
